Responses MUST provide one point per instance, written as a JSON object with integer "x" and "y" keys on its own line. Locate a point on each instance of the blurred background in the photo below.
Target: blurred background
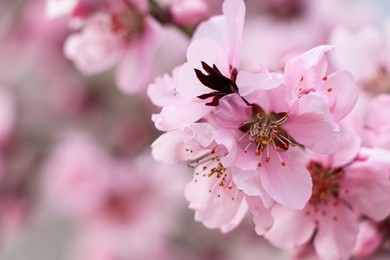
{"x": 77, "y": 180}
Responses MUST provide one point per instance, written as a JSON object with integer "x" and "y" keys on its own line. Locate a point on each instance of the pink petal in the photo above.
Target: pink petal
{"x": 56, "y": 8}
{"x": 202, "y": 134}
{"x": 170, "y": 147}
{"x": 290, "y": 228}
{"x": 250, "y": 183}
{"x": 206, "y": 50}
{"x": 310, "y": 123}
{"x": 377, "y": 117}
{"x": 249, "y": 82}
{"x": 162, "y": 91}
{"x": 366, "y": 192}
{"x": 215, "y": 207}
{"x": 180, "y": 114}
{"x": 211, "y": 29}
{"x": 261, "y": 216}
{"x": 234, "y": 11}
{"x": 336, "y": 236}
{"x": 369, "y": 239}
{"x": 265, "y": 90}
{"x": 134, "y": 70}
{"x": 310, "y": 66}
{"x": 177, "y": 146}
{"x": 232, "y": 112}
{"x": 348, "y": 145}
{"x": 95, "y": 48}
{"x": 289, "y": 185}
{"x": 343, "y": 93}
{"x": 236, "y": 156}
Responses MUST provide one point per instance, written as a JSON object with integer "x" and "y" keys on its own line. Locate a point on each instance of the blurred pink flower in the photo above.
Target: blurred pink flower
{"x": 189, "y": 12}
{"x": 308, "y": 73}
{"x": 121, "y": 33}
{"x": 375, "y": 128}
{"x": 349, "y": 182}
{"x": 77, "y": 176}
{"x": 7, "y": 116}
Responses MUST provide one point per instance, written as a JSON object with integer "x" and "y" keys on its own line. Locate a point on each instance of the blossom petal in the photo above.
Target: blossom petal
{"x": 134, "y": 70}
{"x": 215, "y": 206}
{"x": 265, "y": 90}
{"x": 261, "y": 216}
{"x": 250, "y": 183}
{"x": 336, "y": 236}
{"x": 310, "y": 123}
{"x": 290, "y": 228}
{"x": 177, "y": 146}
{"x": 348, "y": 146}
{"x": 289, "y": 185}
{"x": 204, "y": 50}
{"x": 179, "y": 114}
{"x": 343, "y": 93}
{"x": 234, "y": 12}
{"x": 232, "y": 112}
{"x": 365, "y": 192}
{"x": 308, "y": 68}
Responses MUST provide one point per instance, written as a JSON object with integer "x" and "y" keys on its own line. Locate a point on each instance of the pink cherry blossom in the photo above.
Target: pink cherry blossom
{"x": 120, "y": 34}
{"x": 212, "y": 193}
{"x": 77, "y": 176}
{"x": 274, "y": 119}
{"x": 342, "y": 189}
{"x": 364, "y": 52}
{"x": 186, "y": 12}
{"x": 308, "y": 73}
{"x": 376, "y": 124}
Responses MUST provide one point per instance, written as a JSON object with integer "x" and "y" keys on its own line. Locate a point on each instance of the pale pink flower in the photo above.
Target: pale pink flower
{"x": 360, "y": 51}
{"x": 123, "y": 34}
{"x": 258, "y": 117}
{"x": 77, "y": 176}
{"x": 217, "y": 201}
{"x": 308, "y": 73}
{"x": 365, "y": 53}
{"x": 262, "y": 137}
{"x": 186, "y": 12}
{"x": 351, "y": 182}
{"x": 375, "y": 128}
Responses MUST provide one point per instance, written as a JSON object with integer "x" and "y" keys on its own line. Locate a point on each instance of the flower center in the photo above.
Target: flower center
{"x": 265, "y": 131}
{"x": 325, "y": 182}
{"x": 221, "y": 182}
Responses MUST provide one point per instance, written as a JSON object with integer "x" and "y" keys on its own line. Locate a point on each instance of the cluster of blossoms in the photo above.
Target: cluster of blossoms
{"x": 126, "y": 33}
{"x": 282, "y": 123}
{"x": 275, "y": 144}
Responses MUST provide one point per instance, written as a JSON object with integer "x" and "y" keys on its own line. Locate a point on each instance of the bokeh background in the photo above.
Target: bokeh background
{"x": 77, "y": 180}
